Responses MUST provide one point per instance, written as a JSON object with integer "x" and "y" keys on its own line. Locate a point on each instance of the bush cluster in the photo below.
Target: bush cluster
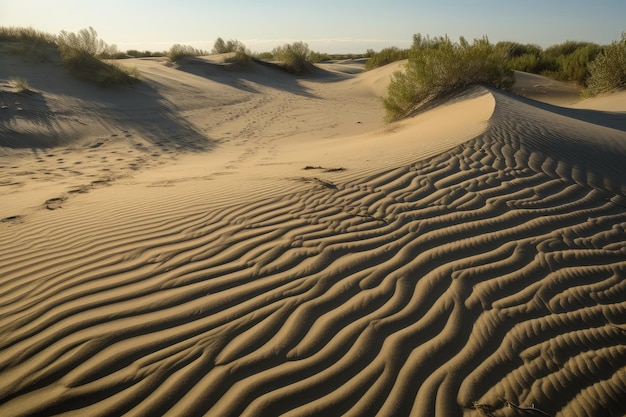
{"x": 438, "y": 67}
{"x": 89, "y": 68}
{"x": 385, "y": 56}
{"x": 242, "y": 55}
{"x": 568, "y": 61}
{"x": 81, "y": 53}
{"x": 316, "y": 57}
{"x": 608, "y": 71}
{"x": 233, "y": 45}
{"x": 294, "y": 56}
{"x": 178, "y": 51}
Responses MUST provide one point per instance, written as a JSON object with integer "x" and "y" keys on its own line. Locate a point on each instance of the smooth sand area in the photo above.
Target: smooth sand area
{"x": 228, "y": 241}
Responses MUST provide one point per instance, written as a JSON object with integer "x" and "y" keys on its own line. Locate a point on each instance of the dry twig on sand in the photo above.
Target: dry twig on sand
{"x": 326, "y": 183}
{"x": 531, "y": 409}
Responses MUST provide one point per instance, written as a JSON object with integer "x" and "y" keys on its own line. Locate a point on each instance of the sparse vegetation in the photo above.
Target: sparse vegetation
{"x": 20, "y": 84}
{"x": 80, "y": 52}
{"x": 295, "y": 56}
{"x": 242, "y": 55}
{"x": 90, "y": 68}
{"x": 317, "y": 57}
{"x": 178, "y": 51}
{"x": 608, "y": 71}
{"x": 33, "y": 45}
{"x": 86, "y": 41}
{"x": 29, "y": 35}
{"x": 439, "y": 67}
{"x": 233, "y": 45}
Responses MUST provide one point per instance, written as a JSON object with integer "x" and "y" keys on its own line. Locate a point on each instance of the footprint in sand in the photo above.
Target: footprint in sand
{"x": 12, "y": 219}
{"x": 55, "y": 203}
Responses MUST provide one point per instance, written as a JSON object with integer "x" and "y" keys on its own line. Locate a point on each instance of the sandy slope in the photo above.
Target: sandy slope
{"x": 468, "y": 259}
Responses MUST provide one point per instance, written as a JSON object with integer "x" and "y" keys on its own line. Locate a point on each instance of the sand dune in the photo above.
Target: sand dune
{"x": 468, "y": 261}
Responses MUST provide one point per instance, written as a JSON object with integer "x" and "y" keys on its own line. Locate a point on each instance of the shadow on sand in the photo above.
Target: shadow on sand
{"x": 248, "y": 77}
{"x": 68, "y": 108}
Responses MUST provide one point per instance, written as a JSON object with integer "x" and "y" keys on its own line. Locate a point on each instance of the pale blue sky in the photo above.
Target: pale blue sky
{"x": 334, "y": 26}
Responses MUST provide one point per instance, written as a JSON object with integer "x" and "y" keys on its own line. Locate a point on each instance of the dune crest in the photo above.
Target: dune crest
{"x": 473, "y": 267}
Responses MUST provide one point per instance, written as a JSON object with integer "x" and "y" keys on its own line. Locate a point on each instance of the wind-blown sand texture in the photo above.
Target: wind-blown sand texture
{"x": 226, "y": 241}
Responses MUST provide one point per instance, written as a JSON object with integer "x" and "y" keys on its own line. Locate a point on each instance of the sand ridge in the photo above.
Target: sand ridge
{"x": 469, "y": 260}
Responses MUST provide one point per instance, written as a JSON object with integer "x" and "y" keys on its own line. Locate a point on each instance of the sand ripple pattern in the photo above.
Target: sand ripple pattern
{"x": 490, "y": 275}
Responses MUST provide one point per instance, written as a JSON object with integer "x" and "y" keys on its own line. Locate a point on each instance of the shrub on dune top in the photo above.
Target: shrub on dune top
{"x": 31, "y": 44}
{"x": 242, "y": 55}
{"x": 80, "y": 52}
{"x": 30, "y": 35}
{"x": 178, "y": 51}
{"x": 89, "y": 68}
{"x": 295, "y": 56}
{"x": 222, "y": 47}
{"x": 439, "y": 67}
{"x": 608, "y": 71}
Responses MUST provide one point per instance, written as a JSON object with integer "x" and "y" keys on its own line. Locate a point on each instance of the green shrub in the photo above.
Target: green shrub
{"x": 179, "y": 51}
{"x": 295, "y": 56}
{"x": 521, "y": 57}
{"x": 385, "y": 56}
{"x": 565, "y": 48}
{"x": 511, "y": 50}
{"x": 438, "y": 67}
{"x": 608, "y": 71}
{"x": 572, "y": 66}
{"x": 568, "y": 61}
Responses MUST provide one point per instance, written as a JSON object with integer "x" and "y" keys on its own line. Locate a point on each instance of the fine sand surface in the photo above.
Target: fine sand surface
{"x": 231, "y": 241}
